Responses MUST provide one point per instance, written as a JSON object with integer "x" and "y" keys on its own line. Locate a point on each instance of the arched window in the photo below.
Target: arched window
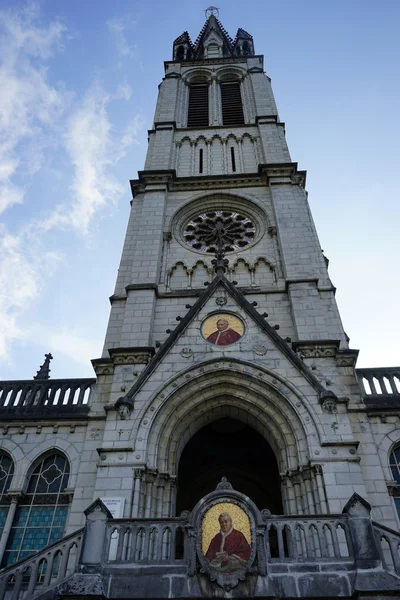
{"x": 394, "y": 462}
{"x": 232, "y": 108}
{"x": 180, "y": 53}
{"x": 246, "y": 48}
{"x": 198, "y": 105}
{"x": 6, "y": 475}
{"x": 41, "y": 515}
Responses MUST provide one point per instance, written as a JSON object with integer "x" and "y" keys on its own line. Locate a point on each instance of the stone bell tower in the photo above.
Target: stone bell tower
{"x": 228, "y": 446}
{"x": 218, "y": 174}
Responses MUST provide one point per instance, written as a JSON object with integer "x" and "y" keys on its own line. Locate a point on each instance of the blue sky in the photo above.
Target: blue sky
{"x": 78, "y": 91}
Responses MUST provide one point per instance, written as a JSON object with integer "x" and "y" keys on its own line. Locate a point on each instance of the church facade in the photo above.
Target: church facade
{"x": 227, "y": 445}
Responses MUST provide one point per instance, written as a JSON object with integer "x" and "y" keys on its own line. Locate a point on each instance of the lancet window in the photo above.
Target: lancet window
{"x": 6, "y": 475}
{"x": 394, "y": 462}
{"x": 41, "y": 514}
{"x": 198, "y": 105}
{"x": 232, "y": 108}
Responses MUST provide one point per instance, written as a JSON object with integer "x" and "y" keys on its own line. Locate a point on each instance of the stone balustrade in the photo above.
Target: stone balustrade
{"x": 38, "y": 574}
{"x": 36, "y": 398}
{"x": 155, "y": 541}
{"x": 380, "y": 387}
{"x": 293, "y": 556}
{"x": 388, "y": 544}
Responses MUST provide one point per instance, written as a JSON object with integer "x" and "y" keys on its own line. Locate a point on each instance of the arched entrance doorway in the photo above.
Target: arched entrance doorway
{"x": 228, "y": 447}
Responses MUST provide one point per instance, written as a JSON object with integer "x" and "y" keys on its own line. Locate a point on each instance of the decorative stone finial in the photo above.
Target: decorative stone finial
{"x": 44, "y": 370}
{"x": 224, "y": 484}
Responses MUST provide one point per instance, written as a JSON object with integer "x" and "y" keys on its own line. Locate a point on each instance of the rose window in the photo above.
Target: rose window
{"x": 234, "y": 231}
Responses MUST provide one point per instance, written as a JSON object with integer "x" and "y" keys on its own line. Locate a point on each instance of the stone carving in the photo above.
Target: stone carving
{"x": 224, "y": 484}
{"x": 124, "y": 407}
{"x": 129, "y": 359}
{"x": 186, "y": 352}
{"x": 328, "y": 401}
{"x": 317, "y": 352}
{"x": 221, "y": 301}
{"x": 329, "y": 405}
{"x": 265, "y": 513}
{"x": 259, "y": 349}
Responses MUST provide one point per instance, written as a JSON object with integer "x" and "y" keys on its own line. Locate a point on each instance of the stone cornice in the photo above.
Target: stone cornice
{"x": 276, "y": 173}
{"x": 316, "y": 348}
{"x": 131, "y": 356}
{"x": 283, "y": 173}
{"x": 210, "y": 61}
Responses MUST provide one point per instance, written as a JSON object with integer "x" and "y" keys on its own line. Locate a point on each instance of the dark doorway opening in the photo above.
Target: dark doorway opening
{"x": 230, "y": 448}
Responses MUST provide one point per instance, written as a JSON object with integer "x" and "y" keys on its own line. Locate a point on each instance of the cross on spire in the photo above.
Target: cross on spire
{"x": 211, "y": 10}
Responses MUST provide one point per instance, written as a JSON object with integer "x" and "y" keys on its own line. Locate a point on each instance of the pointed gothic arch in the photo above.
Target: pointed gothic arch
{"x": 220, "y": 389}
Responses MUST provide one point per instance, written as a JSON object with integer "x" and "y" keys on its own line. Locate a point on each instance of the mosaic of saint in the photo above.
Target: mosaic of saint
{"x": 222, "y": 329}
{"x": 226, "y": 538}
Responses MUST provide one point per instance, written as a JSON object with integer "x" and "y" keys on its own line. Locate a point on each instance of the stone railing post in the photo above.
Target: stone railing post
{"x": 14, "y": 499}
{"x": 97, "y": 515}
{"x": 366, "y": 552}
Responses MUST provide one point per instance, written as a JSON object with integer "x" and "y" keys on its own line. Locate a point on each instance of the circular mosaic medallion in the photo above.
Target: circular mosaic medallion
{"x": 235, "y": 230}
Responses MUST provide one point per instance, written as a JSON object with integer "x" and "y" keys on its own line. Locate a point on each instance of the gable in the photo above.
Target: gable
{"x": 248, "y": 337}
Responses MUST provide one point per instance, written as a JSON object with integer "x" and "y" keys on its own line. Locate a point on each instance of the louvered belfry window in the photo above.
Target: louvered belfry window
{"x": 232, "y": 109}
{"x": 198, "y": 105}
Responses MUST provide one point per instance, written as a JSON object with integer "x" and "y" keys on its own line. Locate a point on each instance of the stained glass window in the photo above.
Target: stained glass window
{"x": 6, "y": 475}
{"x": 41, "y": 515}
{"x": 395, "y": 468}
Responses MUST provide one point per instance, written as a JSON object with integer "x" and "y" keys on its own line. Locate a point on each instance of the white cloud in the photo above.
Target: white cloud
{"x": 28, "y": 104}
{"x": 24, "y": 265}
{"x": 120, "y": 29}
{"x": 74, "y": 345}
{"x": 33, "y": 114}
{"x": 93, "y": 152}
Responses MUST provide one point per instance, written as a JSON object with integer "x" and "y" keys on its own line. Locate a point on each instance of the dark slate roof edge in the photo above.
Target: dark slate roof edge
{"x": 241, "y": 300}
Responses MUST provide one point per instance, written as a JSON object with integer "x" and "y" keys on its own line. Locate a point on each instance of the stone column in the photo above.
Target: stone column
{"x": 321, "y": 489}
{"x": 138, "y": 475}
{"x": 224, "y": 158}
{"x": 240, "y": 153}
{"x": 303, "y": 493}
{"x": 150, "y": 479}
{"x": 160, "y": 494}
{"x": 213, "y": 101}
{"x": 193, "y": 158}
{"x": 292, "y": 510}
{"x": 209, "y": 158}
{"x": 285, "y": 499}
{"x": 14, "y": 498}
{"x": 315, "y": 492}
{"x": 297, "y": 493}
{"x": 185, "y": 104}
{"x": 167, "y": 496}
{"x": 309, "y": 494}
{"x": 172, "y": 503}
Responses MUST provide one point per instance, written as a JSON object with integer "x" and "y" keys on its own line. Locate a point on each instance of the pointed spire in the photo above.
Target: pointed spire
{"x": 44, "y": 370}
